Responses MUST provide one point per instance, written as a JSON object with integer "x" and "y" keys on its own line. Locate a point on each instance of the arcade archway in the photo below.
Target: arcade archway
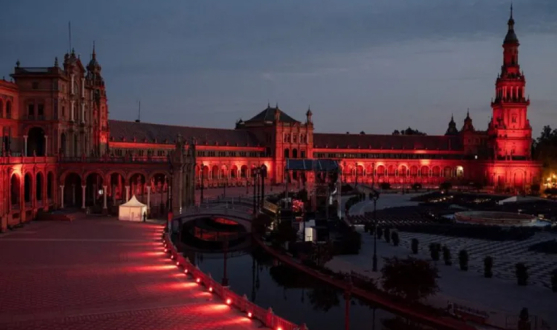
{"x": 36, "y": 142}
{"x": 15, "y": 186}
{"x": 72, "y": 190}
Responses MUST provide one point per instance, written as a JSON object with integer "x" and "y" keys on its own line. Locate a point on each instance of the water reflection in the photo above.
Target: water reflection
{"x": 295, "y": 295}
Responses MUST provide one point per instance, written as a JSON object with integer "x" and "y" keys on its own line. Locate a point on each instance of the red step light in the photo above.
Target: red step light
{"x": 177, "y": 263}
{"x": 228, "y": 301}
{"x": 210, "y": 289}
{"x": 185, "y": 271}
{"x": 250, "y": 315}
{"x": 198, "y": 280}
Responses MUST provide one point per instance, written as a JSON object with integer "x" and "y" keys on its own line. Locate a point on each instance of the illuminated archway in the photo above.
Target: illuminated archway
{"x": 15, "y": 185}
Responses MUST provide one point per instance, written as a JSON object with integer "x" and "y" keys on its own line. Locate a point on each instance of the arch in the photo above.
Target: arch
{"x": 215, "y": 172}
{"x": 286, "y": 153}
{"x": 158, "y": 173}
{"x": 234, "y": 172}
{"x": 15, "y": 188}
{"x": 381, "y": 170}
{"x": 519, "y": 178}
{"x": 137, "y": 186}
{"x": 424, "y": 171}
{"x": 436, "y": 171}
{"x": 459, "y": 171}
{"x": 39, "y": 182}
{"x": 72, "y": 189}
{"x": 360, "y": 170}
{"x": 117, "y": 186}
{"x": 447, "y": 172}
{"x": 94, "y": 191}
{"x": 1, "y": 109}
{"x": 205, "y": 171}
{"x": 414, "y": 171}
{"x": 49, "y": 185}
{"x": 391, "y": 170}
{"x": 244, "y": 171}
{"x": 403, "y": 171}
{"x": 223, "y": 171}
{"x": 27, "y": 187}
{"x": 294, "y": 153}
{"x": 8, "y": 109}
{"x": 36, "y": 142}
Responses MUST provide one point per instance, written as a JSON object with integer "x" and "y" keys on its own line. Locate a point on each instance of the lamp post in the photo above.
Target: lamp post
{"x": 255, "y": 173}
{"x": 202, "y": 182}
{"x": 224, "y": 275}
{"x": 225, "y": 184}
{"x": 375, "y": 197}
{"x": 263, "y": 174}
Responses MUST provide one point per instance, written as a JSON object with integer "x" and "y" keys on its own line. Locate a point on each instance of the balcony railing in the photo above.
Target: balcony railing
{"x": 120, "y": 159}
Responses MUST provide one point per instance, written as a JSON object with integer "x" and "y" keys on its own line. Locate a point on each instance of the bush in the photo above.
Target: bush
{"x": 488, "y": 265}
{"x": 385, "y": 186}
{"x": 554, "y": 280}
{"x": 394, "y": 278}
{"x": 446, "y": 186}
{"x": 434, "y": 251}
{"x": 387, "y": 235}
{"x": 521, "y": 274}
{"x": 379, "y": 232}
{"x": 463, "y": 260}
{"x": 447, "y": 256}
{"x": 395, "y": 238}
{"x": 415, "y": 245}
{"x": 417, "y": 186}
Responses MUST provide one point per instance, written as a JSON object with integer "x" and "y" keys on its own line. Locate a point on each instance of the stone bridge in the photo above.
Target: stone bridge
{"x": 238, "y": 212}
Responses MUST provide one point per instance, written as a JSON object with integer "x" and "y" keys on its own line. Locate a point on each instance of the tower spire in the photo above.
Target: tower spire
{"x": 94, "y": 54}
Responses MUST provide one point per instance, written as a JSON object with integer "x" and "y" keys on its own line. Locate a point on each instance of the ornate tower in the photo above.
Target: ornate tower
{"x": 99, "y": 106}
{"x": 509, "y": 129}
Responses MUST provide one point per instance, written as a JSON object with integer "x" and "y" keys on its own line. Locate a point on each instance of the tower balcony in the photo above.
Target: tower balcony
{"x": 511, "y": 101}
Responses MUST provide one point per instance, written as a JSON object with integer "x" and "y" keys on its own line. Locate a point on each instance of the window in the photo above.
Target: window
{"x": 8, "y": 110}
{"x": 63, "y": 111}
{"x": 31, "y": 110}
{"x": 118, "y": 152}
{"x": 40, "y": 110}
{"x": 294, "y": 138}
{"x": 513, "y": 118}
{"x": 303, "y": 154}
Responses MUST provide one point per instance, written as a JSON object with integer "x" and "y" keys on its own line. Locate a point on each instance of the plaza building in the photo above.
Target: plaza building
{"x": 60, "y": 149}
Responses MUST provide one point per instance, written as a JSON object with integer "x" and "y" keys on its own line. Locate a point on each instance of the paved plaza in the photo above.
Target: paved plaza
{"x": 500, "y": 296}
{"x": 99, "y": 273}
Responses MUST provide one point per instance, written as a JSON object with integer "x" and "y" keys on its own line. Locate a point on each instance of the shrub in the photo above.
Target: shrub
{"x": 394, "y": 278}
{"x": 463, "y": 260}
{"x": 434, "y": 251}
{"x": 447, "y": 256}
{"x": 488, "y": 265}
{"x": 415, "y": 245}
{"x": 379, "y": 232}
{"x": 385, "y": 186}
{"x": 395, "y": 238}
{"x": 417, "y": 186}
{"x": 446, "y": 186}
{"x": 554, "y": 280}
{"x": 387, "y": 235}
{"x": 521, "y": 274}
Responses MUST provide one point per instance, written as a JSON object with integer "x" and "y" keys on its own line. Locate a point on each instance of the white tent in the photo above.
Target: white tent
{"x": 133, "y": 210}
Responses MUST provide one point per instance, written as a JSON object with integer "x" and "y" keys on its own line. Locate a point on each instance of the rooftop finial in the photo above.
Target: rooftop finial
{"x": 94, "y": 54}
{"x": 277, "y": 106}
{"x": 511, "y": 10}
{"x": 56, "y": 62}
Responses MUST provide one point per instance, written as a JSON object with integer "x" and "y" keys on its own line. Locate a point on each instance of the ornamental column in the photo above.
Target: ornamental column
{"x": 61, "y": 196}
{"x": 24, "y": 145}
{"x": 46, "y": 145}
{"x": 127, "y": 193}
{"x": 148, "y": 199}
{"x": 104, "y": 198}
{"x": 83, "y": 196}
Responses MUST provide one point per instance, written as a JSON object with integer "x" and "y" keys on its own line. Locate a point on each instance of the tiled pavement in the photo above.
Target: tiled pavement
{"x": 99, "y": 273}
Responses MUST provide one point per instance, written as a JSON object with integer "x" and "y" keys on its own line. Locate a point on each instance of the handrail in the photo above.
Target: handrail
{"x": 230, "y": 298}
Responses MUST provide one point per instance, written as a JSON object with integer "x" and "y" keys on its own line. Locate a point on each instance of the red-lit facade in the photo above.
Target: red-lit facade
{"x": 59, "y": 148}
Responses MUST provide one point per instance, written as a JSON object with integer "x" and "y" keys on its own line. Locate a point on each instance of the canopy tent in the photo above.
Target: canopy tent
{"x": 133, "y": 210}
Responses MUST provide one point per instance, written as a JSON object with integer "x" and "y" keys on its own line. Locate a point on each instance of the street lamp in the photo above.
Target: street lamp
{"x": 263, "y": 174}
{"x": 225, "y": 184}
{"x": 255, "y": 173}
{"x": 202, "y": 182}
{"x": 375, "y": 197}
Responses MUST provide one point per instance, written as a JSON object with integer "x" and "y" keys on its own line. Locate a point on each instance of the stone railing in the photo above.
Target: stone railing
{"x": 229, "y": 297}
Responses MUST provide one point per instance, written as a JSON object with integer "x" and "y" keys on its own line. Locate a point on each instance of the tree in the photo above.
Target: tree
{"x": 463, "y": 260}
{"x": 387, "y": 235}
{"x": 422, "y": 283}
{"x": 447, "y": 256}
{"x": 521, "y": 271}
{"x": 554, "y": 280}
{"x": 322, "y": 253}
{"x": 414, "y": 245}
{"x": 544, "y": 149}
{"x": 488, "y": 265}
{"x": 395, "y": 238}
{"x": 434, "y": 251}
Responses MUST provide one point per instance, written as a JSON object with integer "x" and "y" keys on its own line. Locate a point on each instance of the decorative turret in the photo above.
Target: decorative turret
{"x": 452, "y": 130}
{"x": 467, "y": 123}
{"x": 94, "y": 70}
{"x": 308, "y": 116}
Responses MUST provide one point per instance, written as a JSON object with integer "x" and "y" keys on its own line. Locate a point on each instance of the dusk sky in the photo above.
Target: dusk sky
{"x": 364, "y": 65}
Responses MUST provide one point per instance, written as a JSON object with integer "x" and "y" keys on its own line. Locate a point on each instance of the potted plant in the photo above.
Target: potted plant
{"x": 447, "y": 256}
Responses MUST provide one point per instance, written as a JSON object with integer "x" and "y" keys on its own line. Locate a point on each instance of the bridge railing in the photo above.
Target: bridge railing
{"x": 240, "y": 212}
{"x": 228, "y": 296}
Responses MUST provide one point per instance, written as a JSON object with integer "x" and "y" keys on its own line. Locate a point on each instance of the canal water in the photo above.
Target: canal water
{"x": 294, "y": 295}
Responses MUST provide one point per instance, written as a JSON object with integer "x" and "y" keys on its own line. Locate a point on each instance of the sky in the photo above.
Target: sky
{"x": 361, "y": 65}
